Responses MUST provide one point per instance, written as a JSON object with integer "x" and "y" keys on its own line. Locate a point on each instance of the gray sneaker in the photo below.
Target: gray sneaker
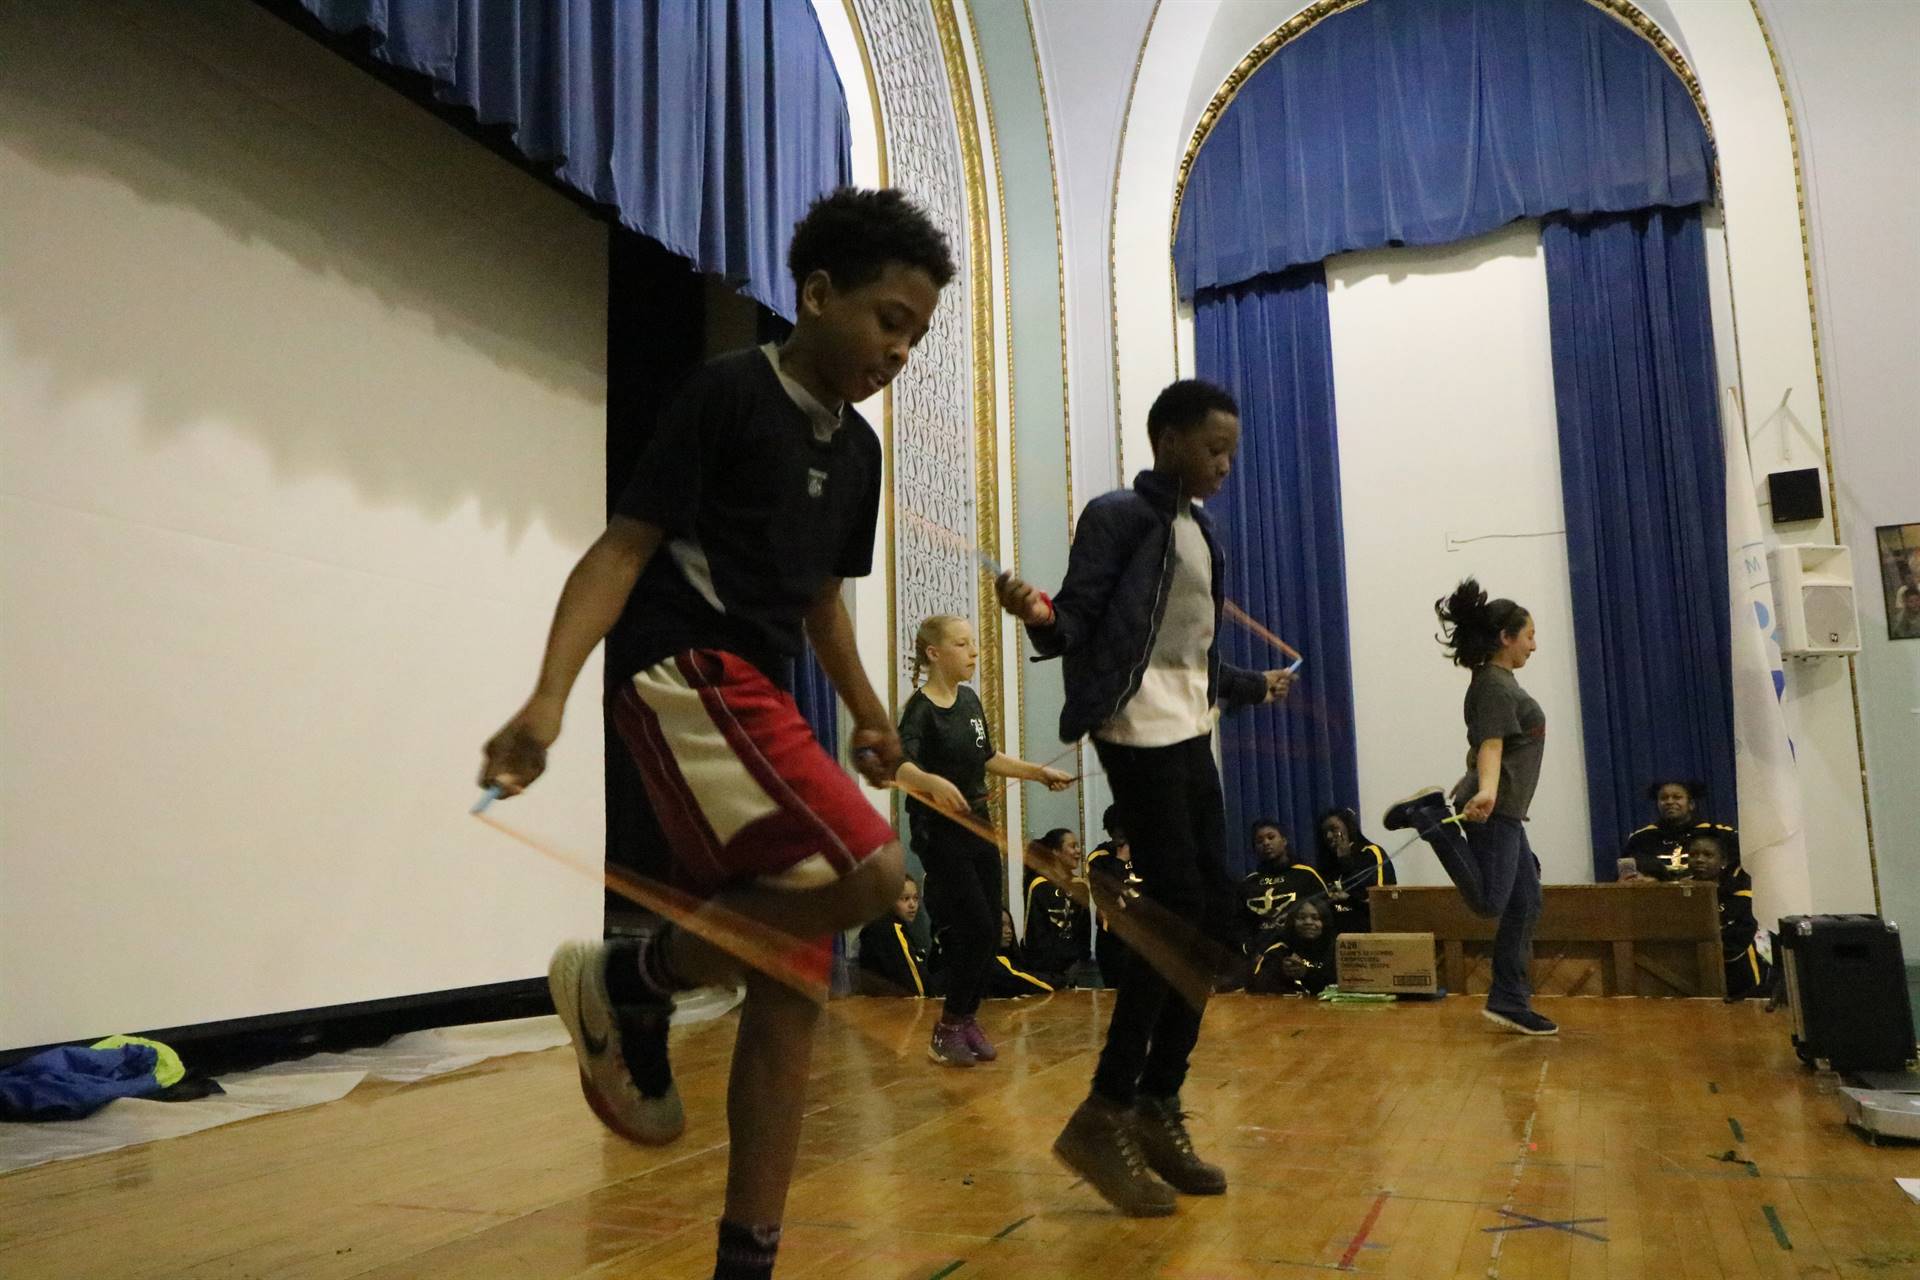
{"x": 1099, "y": 1145}
{"x": 607, "y": 1039}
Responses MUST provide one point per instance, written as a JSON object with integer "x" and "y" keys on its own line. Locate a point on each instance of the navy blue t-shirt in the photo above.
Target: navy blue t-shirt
{"x": 761, "y": 504}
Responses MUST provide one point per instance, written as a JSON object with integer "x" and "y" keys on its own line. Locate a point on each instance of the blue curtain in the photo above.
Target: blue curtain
{"x": 813, "y": 694}
{"x": 1643, "y": 477}
{"x": 1268, "y": 343}
{"x": 708, "y": 125}
{"x": 1424, "y": 122}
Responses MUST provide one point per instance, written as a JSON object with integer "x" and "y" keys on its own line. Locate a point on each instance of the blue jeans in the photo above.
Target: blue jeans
{"x": 1493, "y": 866}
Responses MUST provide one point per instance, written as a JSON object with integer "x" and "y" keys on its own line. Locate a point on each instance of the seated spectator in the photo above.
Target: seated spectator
{"x": 1296, "y": 959}
{"x": 1352, "y": 864}
{"x": 1110, "y": 866}
{"x": 1057, "y": 927}
{"x": 891, "y": 963}
{"x": 1009, "y": 977}
{"x": 1714, "y": 857}
{"x": 1659, "y": 851}
{"x": 1278, "y": 882}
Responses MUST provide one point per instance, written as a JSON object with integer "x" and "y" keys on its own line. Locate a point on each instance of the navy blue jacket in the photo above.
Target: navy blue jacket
{"x": 1109, "y": 608}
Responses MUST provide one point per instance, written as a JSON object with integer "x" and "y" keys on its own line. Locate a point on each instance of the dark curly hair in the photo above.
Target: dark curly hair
{"x": 1696, "y": 790}
{"x": 1056, "y": 837}
{"x": 1185, "y": 404}
{"x": 1473, "y": 628}
{"x": 853, "y": 233}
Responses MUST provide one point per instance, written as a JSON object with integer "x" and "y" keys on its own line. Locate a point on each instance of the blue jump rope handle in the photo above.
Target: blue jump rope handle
{"x": 991, "y": 565}
{"x": 1295, "y": 665}
{"x": 491, "y": 794}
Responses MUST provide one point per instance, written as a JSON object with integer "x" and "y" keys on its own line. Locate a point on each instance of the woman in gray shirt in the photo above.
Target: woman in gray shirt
{"x": 1484, "y": 845}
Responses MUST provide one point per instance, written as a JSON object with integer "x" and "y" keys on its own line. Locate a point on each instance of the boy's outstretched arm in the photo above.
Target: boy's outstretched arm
{"x": 876, "y": 744}
{"x": 1094, "y": 565}
{"x": 1240, "y": 687}
{"x": 590, "y": 604}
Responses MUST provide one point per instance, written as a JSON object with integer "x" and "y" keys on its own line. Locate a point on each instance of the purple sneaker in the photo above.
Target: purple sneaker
{"x": 977, "y": 1041}
{"x": 949, "y": 1045}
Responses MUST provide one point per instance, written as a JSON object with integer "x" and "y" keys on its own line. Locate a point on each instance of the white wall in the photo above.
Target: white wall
{"x": 1450, "y": 466}
{"x": 1193, "y": 45}
{"x": 1850, "y": 70}
{"x": 1088, "y": 50}
{"x": 302, "y": 421}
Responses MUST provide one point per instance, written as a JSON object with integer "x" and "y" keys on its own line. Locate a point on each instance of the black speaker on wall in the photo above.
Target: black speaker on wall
{"x": 1795, "y": 495}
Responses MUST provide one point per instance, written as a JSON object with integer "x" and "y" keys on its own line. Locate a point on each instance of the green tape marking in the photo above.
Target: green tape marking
{"x": 1712, "y": 1087}
{"x": 1779, "y": 1232}
{"x": 1739, "y": 1135}
{"x": 958, "y": 1263}
{"x": 1012, "y": 1227}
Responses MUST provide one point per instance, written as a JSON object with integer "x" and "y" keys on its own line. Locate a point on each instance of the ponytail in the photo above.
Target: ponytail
{"x": 1473, "y": 628}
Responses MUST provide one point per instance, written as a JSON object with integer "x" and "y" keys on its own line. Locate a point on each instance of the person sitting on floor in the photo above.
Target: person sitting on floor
{"x": 1714, "y": 857}
{"x": 1297, "y": 958}
{"x": 1057, "y": 927}
{"x": 1658, "y": 851}
{"x": 1352, "y": 864}
{"x": 891, "y": 963}
{"x": 1110, "y": 865}
{"x": 1277, "y": 883}
{"x": 1008, "y": 977}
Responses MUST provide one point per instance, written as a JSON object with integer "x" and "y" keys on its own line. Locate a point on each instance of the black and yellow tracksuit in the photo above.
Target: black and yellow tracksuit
{"x": 1009, "y": 976}
{"x": 1270, "y": 967}
{"x": 1056, "y": 937}
{"x": 1367, "y": 868}
{"x": 1660, "y": 851}
{"x": 1267, "y": 892}
{"x": 1747, "y": 973}
{"x": 890, "y": 964}
{"x": 1116, "y": 877}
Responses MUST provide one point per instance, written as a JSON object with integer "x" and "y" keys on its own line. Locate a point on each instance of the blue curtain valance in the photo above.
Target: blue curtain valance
{"x": 1420, "y": 122}
{"x": 708, "y": 125}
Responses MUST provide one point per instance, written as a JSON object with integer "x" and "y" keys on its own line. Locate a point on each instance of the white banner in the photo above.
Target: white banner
{"x": 1772, "y": 838}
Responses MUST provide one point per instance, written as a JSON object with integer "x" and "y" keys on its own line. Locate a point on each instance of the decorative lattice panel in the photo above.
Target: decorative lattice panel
{"x": 934, "y": 445}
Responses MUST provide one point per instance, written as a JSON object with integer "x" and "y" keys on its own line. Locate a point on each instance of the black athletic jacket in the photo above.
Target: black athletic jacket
{"x": 1109, "y": 608}
{"x": 890, "y": 965}
{"x": 1661, "y": 852}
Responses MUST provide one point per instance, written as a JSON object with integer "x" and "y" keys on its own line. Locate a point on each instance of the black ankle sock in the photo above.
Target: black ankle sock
{"x": 638, "y": 971}
{"x": 746, "y": 1253}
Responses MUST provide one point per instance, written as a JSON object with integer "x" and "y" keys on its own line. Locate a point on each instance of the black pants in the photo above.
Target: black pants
{"x": 1175, "y": 817}
{"x": 963, "y": 897}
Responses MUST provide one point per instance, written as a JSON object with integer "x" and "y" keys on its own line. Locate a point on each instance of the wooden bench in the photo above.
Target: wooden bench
{"x": 1608, "y": 939}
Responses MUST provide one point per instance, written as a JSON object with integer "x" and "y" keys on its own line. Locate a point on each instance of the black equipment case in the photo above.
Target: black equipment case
{"x": 1846, "y": 986}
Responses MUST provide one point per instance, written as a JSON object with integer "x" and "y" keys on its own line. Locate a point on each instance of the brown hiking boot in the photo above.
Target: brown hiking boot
{"x": 1099, "y": 1145}
{"x": 1161, "y": 1128}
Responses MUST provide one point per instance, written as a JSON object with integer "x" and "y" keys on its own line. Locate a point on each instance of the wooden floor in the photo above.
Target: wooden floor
{"x": 1656, "y": 1138}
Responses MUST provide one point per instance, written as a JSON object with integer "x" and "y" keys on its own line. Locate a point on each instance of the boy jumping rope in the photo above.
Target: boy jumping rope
{"x": 756, "y": 496}
{"x": 1138, "y": 622}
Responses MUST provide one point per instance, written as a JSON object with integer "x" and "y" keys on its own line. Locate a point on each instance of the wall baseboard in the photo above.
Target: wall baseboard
{"x": 241, "y": 1044}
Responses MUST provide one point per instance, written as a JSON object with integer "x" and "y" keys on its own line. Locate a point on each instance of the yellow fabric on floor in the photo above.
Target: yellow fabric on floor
{"x": 167, "y": 1068}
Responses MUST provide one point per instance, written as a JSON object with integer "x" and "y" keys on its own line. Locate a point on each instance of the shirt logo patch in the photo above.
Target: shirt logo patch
{"x": 816, "y": 482}
{"x": 979, "y": 733}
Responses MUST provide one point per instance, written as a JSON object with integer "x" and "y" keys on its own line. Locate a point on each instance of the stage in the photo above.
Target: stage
{"x": 1657, "y": 1138}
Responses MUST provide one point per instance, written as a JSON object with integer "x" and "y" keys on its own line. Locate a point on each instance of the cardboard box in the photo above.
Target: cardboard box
{"x": 1389, "y": 963}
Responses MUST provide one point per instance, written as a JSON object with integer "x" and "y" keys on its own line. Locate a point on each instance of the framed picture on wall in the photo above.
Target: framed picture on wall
{"x": 1900, "y": 576}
